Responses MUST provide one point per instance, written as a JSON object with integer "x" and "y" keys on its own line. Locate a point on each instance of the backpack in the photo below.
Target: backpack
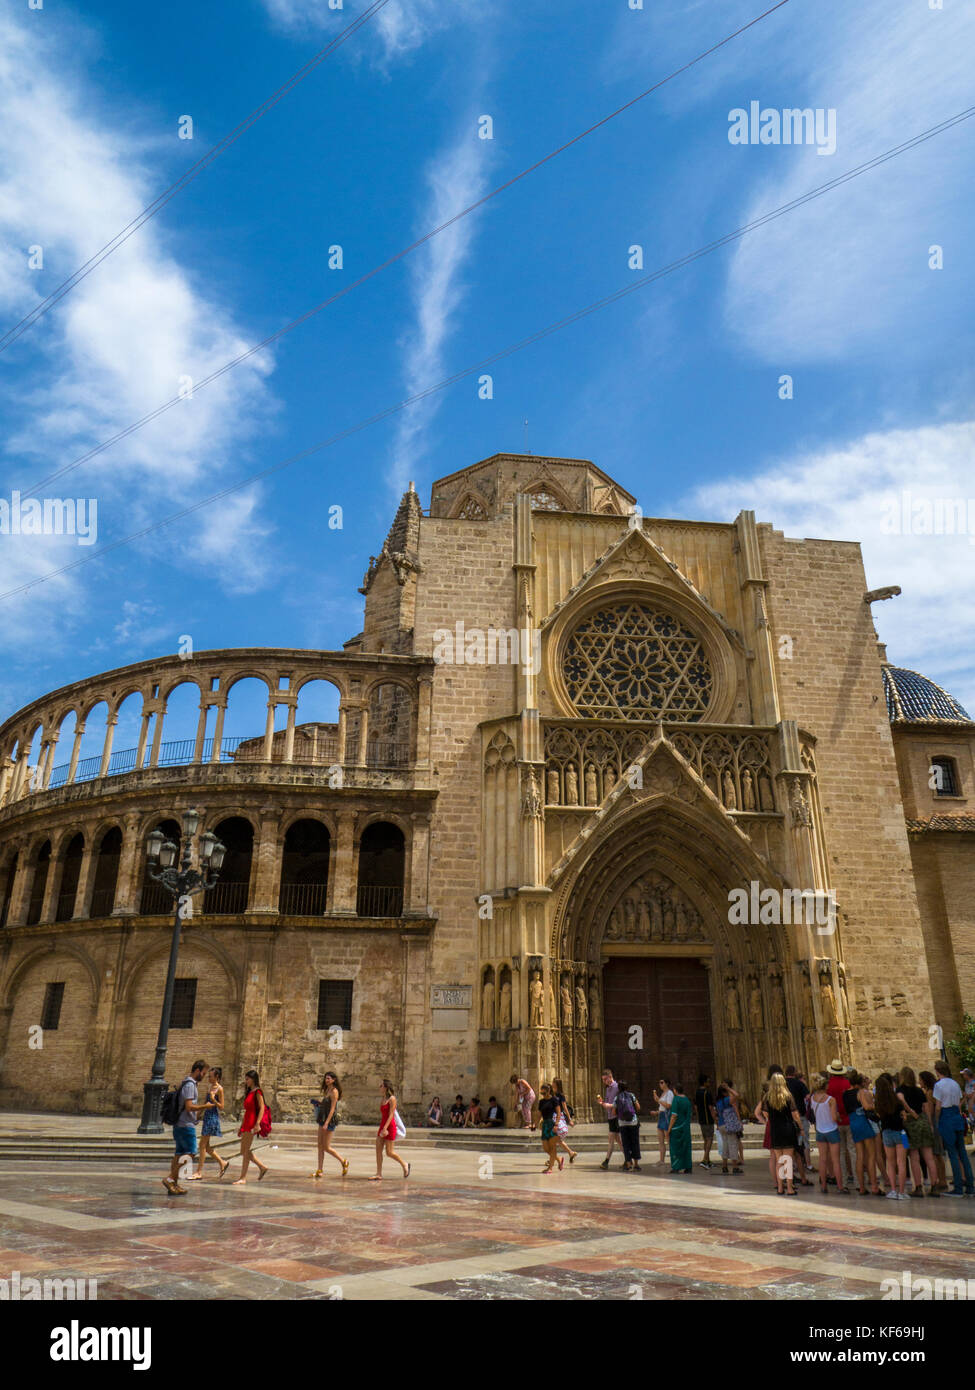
{"x": 625, "y": 1110}
{"x": 172, "y": 1103}
{"x": 264, "y": 1129}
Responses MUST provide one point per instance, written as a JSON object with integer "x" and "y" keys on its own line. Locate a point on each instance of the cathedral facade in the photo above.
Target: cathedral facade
{"x": 600, "y": 789}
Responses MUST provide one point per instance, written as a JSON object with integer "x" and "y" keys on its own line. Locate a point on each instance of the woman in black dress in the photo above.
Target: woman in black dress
{"x": 547, "y": 1108}
{"x": 783, "y": 1118}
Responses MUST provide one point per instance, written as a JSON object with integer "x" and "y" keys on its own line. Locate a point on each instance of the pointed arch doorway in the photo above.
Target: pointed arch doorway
{"x": 657, "y": 1021}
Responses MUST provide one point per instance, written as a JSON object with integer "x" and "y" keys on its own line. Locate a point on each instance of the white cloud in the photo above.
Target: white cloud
{"x": 854, "y": 491}
{"x": 132, "y": 333}
{"x": 400, "y": 26}
{"x": 454, "y": 180}
{"x": 841, "y": 277}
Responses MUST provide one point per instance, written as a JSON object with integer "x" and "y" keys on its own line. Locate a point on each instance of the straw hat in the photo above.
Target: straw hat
{"x": 836, "y": 1067}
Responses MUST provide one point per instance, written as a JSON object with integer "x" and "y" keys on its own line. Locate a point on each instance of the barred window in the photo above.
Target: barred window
{"x": 51, "y": 1012}
{"x": 184, "y": 1004}
{"x": 944, "y": 777}
{"x": 335, "y": 1004}
{"x": 630, "y": 661}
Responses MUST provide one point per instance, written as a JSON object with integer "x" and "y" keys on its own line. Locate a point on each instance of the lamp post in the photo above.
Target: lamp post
{"x": 183, "y": 883}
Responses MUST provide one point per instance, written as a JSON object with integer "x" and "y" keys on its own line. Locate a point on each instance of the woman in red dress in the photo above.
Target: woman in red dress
{"x": 387, "y": 1133}
{"x": 250, "y": 1125}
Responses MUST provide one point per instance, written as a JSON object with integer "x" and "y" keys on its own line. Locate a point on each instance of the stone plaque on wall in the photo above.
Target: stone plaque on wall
{"x": 451, "y": 996}
{"x": 449, "y": 1020}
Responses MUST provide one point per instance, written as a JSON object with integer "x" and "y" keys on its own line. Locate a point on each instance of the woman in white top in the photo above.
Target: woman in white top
{"x": 827, "y": 1135}
{"x": 663, "y": 1099}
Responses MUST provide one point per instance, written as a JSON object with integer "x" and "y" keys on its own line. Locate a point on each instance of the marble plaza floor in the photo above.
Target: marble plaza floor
{"x": 466, "y": 1226}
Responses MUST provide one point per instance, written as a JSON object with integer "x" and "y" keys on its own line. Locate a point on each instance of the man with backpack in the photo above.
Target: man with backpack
{"x": 180, "y": 1109}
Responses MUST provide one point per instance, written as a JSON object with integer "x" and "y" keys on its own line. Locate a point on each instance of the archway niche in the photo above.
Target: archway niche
{"x": 231, "y": 892}
{"x": 304, "y": 869}
{"x": 42, "y": 867}
{"x": 156, "y": 899}
{"x": 70, "y": 873}
{"x": 382, "y": 865}
{"x": 106, "y": 873}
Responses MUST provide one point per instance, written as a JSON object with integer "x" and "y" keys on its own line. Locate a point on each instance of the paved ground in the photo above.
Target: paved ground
{"x": 466, "y": 1226}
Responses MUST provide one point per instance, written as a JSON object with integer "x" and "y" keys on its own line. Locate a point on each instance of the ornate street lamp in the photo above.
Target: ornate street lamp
{"x": 183, "y": 883}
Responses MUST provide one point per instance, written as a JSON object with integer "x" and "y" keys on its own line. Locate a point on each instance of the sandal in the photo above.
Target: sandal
{"x": 317, "y": 1173}
{"x": 345, "y": 1167}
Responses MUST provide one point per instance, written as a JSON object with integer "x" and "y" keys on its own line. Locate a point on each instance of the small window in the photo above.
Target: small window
{"x": 334, "y": 1003}
{"x": 943, "y": 779}
{"x": 51, "y": 1013}
{"x": 184, "y": 1004}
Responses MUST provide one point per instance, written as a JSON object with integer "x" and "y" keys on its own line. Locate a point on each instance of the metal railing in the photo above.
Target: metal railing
{"x": 378, "y": 900}
{"x": 224, "y": 899}
{"x": 303, "y": 899}
{"x": 102, "y": 902}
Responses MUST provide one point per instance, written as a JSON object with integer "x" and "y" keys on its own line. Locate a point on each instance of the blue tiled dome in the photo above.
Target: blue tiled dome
{"x": 913, "y": 699}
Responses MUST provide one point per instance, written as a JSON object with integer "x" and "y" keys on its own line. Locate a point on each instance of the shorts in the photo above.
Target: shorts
{"x": 920, "y": 1133}
{"x": 548, "y": 1129}
{"x": 832, "y": 1136}
{"x": 614, "y": 1126}
{"x": 707, "y": 1131}
{"x": 184, "y": 1137}
{"x": 892, "y": 1138}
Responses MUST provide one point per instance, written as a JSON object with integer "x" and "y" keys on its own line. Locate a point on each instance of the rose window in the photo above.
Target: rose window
{"x": 631, "y": 661}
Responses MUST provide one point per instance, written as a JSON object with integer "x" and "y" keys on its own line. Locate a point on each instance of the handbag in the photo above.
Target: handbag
{"x": 400, "y": 1127}
{"x": 732, "y": 1120}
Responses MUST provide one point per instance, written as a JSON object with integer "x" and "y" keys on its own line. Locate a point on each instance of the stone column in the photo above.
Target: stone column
{"x": 110, "y": 726}
{"x": 418, "y": 904}
{"x": 19, "y": 893}
{"x": 79, "y": 733}
{"x": 269, "y": 730}
{"x": 140, "y": 751}
{"x": 363, "y": 734}
{"x": 289, "y": 732}
{"x": 342, "y": 868}
{"x": 221, "y": 704}
{"x": 52, "y": 744}
{"x": 266, "y": 863}
{"x": 157, "y": 733}
{"x": 86, "y": 879}
{"x": 424, "y": 712}
{"x": 130, "y": 867}
{"x": 55, "y": 873}
{"x": 201, "y": 730}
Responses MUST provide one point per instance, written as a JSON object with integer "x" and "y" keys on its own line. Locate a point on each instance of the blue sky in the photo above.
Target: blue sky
{"x": 674, "y": 390}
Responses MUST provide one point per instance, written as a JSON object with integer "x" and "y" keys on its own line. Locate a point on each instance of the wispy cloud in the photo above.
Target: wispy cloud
{"x": 133, "y": 334}
{"x": 401, "y": 27}
{"x": 454, "y": 179}
{"x": 855, "y": 491}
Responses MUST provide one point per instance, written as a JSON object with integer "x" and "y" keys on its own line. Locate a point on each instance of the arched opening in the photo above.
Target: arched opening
{"x": 245, "y": 721}
{"x": 92, "y": 742}
{"x": 390, "y": 717}
{"x": 180, "y": 722}
{"x": 42, "y": 867}
{"x": 304, "y": 869}
{"x": 230, "y": 894}
{"x": 70, "y": 873}
{"x": 382, "y": 863}
{"x": 106, "y": 873}
{"x": 125, "y": 740}
{"x": 8, "y": 889}
{"x": 317, "y": 723}
{"x": 62, "y": 750}
{"x": 157, "y": 900}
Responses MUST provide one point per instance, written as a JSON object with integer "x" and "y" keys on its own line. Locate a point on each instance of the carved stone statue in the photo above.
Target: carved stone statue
{"x": 766, "y": 798}
{"x": 487, "y": 1004}
{"x": 594, "y": 1002}
{"x": 505, "y": 1020}
{"x": 592, "y": 796}
{"x": 680, "y": 921}
{"x": 553, "y": 1016}
{"x": 668, "y": 915}
{"x": 777, "y": 998}
{"x": 571, "y": 787}
{"x": 828, "y": 999}
{"x": 629, "y": 919}
{"x": 656, "y": 917}
{"x": 582, "y": 1008}
{"x": 798, "y": 804}
{"x": 808, "y": 1017}
{"x": 609, "y": 780}
{"x": 552, "y": 782}
{"x": 728, "y": 792}
{"x": 747, "y": 791}
{"x": 535, "y": 994}
{"x": 566, "y": 1005}
{"x": 732, "y": 1005}
{"x": 755, "y": 1020}
{"x": 531, "y": 805}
